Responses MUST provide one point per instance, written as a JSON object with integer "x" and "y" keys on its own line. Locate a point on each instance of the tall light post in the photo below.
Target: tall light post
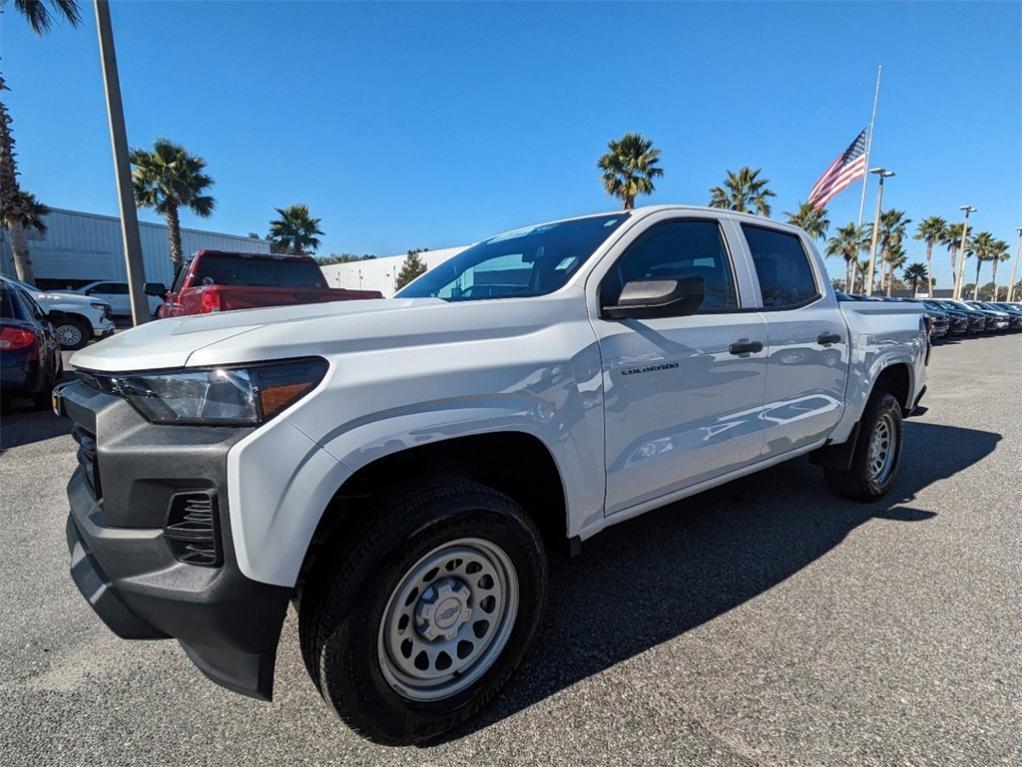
{"x": 1014, "y": 266}
{"x": 122, "y": 167}
{"x": 881, "y": 173}
{"x": 961, "y": 250}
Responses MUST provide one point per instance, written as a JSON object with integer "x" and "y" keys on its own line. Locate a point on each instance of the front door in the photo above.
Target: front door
{"x": 682, "y": 394}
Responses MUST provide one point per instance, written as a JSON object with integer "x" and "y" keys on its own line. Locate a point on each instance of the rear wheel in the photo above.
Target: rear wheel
{"x": 423, "y": 616}
{"x": 877, "y": 452}
{"x": 72, "y": 332}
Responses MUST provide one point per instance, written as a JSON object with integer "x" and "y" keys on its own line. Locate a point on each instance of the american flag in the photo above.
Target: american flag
{"x": 846, "y": 168}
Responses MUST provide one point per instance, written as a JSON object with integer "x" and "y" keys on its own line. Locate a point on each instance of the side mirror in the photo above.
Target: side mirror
{"x": 648, "y": 299}
{"x": 155, "y": 289}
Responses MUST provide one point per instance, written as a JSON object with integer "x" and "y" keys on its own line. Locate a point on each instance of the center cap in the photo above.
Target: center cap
{"x": 443, "y": 609}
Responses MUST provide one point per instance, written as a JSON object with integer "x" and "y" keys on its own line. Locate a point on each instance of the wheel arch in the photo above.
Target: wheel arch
{"x": 516, "y": 463}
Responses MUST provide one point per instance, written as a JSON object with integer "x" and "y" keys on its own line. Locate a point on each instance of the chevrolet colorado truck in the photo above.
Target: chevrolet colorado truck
{"x": 221, "y": 281}
{"x": 399, "y": 469}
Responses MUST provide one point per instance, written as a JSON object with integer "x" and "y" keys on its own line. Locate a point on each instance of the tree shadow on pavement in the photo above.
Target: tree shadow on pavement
{"x": 649, "y": 580}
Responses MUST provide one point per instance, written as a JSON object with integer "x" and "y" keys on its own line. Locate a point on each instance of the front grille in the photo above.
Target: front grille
{"x": 192, "y": 530}
{"x": 87, "y": 458}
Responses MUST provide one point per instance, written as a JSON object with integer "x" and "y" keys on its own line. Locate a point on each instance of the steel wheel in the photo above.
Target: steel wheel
{"x": 882, "y": 449}
{"x": 448, "y": 619}
{"x": 69, "y": 335}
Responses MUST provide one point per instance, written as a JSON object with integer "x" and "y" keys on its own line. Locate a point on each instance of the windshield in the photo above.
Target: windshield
{"x": 525, "y": 262}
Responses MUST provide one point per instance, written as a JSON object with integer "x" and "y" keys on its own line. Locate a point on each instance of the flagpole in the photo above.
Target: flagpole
{"x": 869, "y": 145}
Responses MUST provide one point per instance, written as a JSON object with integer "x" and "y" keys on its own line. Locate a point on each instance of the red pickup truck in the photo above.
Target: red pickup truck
{"x": 218, "y": 281}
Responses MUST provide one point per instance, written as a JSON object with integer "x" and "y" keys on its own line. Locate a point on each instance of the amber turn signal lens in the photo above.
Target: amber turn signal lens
{"x": 273, "y": 399}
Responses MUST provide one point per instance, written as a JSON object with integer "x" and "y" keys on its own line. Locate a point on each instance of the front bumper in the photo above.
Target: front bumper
{"x": 131, "y": 571}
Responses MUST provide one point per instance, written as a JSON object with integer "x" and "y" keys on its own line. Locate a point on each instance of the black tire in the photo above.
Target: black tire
{"x": 860, "y": 482}
{"x": 343, "y": 605}
{"x": 73, "y": 333}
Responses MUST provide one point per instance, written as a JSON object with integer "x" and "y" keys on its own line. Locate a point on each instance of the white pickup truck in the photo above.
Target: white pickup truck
{"x": 399, "y": 468}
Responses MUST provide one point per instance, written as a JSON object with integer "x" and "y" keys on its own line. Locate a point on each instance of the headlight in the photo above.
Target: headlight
{"x": 240, "y": 396}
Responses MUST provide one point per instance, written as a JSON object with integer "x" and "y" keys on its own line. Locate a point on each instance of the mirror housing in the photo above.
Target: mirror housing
{"x": 648, "y": 299}
{"x": 155, "y": 289}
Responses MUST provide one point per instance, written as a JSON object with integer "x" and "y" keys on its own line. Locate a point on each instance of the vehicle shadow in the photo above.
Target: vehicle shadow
{"x": 649, "y": 580}
{"x": 21, "y": 423}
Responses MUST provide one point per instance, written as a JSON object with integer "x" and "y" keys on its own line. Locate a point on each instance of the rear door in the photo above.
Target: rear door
{"x": 807, "y": 337}
{"x": 682, "y": 399}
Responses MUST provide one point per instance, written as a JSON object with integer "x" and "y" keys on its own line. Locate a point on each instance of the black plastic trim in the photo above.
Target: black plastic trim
{"x": 126, "y": 568}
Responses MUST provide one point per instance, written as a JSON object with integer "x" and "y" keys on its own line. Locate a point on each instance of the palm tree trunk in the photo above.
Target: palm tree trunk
{"x": 890, "y": 278}
{"x": 994, "y": 279}
{"x": 848, "y": 275}
{"x": 975, "y": 288}
{"x": 929, "y": 270}
{"x": 174, "y": 235}
{"x": 19, "y": 248}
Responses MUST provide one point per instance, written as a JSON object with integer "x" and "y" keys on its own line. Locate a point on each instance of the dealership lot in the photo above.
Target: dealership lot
{"x": 765, "y": 622}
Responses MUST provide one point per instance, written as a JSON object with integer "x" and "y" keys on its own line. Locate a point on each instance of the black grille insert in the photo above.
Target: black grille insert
{"x": 193, "y": 529}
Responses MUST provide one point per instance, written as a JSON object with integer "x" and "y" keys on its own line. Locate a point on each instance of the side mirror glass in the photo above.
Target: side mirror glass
{"x": 647, "y": 299}
{"x": 155, "y": 289}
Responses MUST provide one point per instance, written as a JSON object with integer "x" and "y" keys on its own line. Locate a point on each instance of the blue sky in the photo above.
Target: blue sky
{"x": 428, "y": 125}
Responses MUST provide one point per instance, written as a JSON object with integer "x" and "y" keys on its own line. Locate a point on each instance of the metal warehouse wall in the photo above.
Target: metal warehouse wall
{"x": 380, "y": 273}
{"x": 82, "y": 247}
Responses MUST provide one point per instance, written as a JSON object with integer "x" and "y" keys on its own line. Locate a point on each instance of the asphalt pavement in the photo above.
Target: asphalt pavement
{"x": 765, "y": 622}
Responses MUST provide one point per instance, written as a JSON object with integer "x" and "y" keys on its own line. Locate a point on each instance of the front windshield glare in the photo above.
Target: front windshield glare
{"x": 525, "y": 262}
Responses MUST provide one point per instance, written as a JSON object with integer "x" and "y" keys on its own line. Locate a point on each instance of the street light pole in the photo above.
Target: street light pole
{"x": 882, "y": 173}
{"x": 961, "y": 253}
{"x": 122, "y": 167}
{"x": 1014, "y": 266}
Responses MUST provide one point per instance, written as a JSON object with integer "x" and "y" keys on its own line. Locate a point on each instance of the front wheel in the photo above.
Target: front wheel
{"x": 877, "y": 452}
{"x": 73, "y": 333}
{"x": 427, "y": 612}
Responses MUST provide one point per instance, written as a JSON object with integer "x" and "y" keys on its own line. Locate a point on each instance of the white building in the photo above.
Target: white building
{"x": 380, "y": 273}
{"x": 81, "y": 247}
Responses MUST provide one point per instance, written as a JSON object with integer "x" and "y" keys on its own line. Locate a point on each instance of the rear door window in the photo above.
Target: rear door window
{"x": 257, "y": 272}
{"x": 782, "y": 266}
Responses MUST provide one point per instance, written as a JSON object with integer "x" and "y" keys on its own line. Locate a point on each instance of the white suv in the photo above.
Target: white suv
{"x": 83, "y": 319}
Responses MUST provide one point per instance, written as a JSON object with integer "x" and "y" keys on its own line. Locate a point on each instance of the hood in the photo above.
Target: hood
{"x": 169, "y": 343}
{"x": 328, "y": 329}
{"x": 57, "y": 297}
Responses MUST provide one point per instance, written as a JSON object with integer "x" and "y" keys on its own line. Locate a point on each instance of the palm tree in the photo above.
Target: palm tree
{"x": 168, "y": 179}
{"x": 629, "y": 168}
{"x": 811, "y": 219}
{"x": 12, "y": 201}
{"x": 999, "y": 251}
{"x": 892, "y": 230}
{"x": 916, "y": 273}
{"x": 28, "y": 210}
{"x": 987, "y": 248}
{"x": 931, "y": 231}
{"x": 743, "y": 191}
{"x": 39, "y": 16}
{"x": 295, "y": 231}
{"x": 847, "y": 244}
{"x": 952, "y": 240}
{"x": 896, "y": 258}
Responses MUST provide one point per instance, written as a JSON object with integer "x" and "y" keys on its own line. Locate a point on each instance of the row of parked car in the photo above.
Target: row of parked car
{"x": 950, "y": 317}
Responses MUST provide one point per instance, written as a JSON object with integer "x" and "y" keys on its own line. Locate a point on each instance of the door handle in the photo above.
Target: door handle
{"x": 745, "y": 347}
{"x": 825, "y": 339}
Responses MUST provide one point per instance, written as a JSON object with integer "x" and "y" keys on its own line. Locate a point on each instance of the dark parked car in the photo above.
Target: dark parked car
{"x": 977, "y": 319}
{"x": 937, "y": 319}
{"x": 997, "y": 321}
{"x": 958, "y": 322}
{"x": 30, "y": 361}
{"x": 1014, "y": 316}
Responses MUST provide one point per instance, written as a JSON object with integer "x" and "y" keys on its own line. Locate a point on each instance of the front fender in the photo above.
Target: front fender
{"x": 291, "y": 479}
